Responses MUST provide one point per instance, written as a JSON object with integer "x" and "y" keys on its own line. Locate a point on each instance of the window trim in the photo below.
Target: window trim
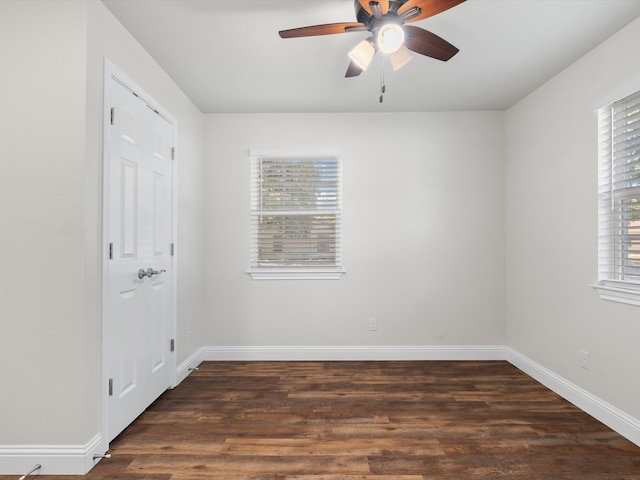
{"x": 618, "y": 292}
{"x": 265, "y": 273}
{"x": 296, "y": 273}
{"x": 607, "y": 287}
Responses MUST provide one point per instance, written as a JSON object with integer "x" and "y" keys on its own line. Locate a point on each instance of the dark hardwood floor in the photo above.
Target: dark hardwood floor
{"x": 365, "y": 420}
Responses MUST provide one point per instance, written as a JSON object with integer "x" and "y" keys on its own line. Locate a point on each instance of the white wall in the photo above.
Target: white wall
{"x": 551, "y": 176}
{"x": 42, "y": 130}
{"x": 51, "y": 54}
{"x": 423, "y": 227}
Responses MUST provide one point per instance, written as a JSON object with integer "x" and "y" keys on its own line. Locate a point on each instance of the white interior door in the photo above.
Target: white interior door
{"x": 138, "y": 295}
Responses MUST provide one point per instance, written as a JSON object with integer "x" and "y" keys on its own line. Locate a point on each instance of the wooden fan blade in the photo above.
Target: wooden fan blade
{"x": 326, "y": 29}
{"x": 426, "y": 43}
{"x": 353, "y": 70}
{"x": 384, "y": 6}
{"x": 428, "y": 8}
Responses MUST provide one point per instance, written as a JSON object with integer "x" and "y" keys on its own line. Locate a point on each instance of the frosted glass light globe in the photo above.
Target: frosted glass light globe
{"x": 390, "y": 38}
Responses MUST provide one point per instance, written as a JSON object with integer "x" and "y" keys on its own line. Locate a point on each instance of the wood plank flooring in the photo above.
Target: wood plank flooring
{"x": 367, "y": 421}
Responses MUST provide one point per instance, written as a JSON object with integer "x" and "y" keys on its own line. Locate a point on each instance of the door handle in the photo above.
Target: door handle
{"x": 149, "y": 272}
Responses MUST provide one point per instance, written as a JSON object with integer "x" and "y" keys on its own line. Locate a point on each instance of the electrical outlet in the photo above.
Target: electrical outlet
{"x": 584, "y": 359}
{"x": 373, "y": 324}
{"x": 186, "y": 334}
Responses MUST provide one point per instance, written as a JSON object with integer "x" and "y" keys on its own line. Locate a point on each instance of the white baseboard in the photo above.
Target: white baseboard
{"x": 614, "y": 418}
{"x": 345, "y": 353}
{"x": 53, "y": 459}
{"x": 185, "y": 368}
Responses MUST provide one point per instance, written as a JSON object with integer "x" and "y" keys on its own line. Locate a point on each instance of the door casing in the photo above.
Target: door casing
{"x": 111, "y": 73}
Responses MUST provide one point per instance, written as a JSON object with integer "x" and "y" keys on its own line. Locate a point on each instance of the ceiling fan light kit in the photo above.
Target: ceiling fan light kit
{"x": 389, "y": 37}
{"x": 362, "y": 54}
{"x": 385, "y": 21}
{"x": 400, "y": 57}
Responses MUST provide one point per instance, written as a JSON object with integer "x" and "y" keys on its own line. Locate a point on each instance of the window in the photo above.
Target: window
{"x": 619, "y": 201}
{"x": 296, "y": 211}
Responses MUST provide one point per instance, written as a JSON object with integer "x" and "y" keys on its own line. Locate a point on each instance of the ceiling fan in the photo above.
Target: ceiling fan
{"x": 385, "y": 20}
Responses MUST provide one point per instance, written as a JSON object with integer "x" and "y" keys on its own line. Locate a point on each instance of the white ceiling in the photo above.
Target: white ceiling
{"x": 226, "y": 55}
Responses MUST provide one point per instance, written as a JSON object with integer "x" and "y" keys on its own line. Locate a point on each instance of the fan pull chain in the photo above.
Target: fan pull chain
{"x": 383, "y": 87}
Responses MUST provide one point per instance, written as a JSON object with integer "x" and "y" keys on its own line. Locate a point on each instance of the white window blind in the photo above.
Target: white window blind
{"x": 619, "y": 196}
{"x": 296, "y": 211}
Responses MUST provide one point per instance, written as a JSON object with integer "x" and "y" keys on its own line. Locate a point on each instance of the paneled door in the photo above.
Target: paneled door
{"x": 138, "y": 300}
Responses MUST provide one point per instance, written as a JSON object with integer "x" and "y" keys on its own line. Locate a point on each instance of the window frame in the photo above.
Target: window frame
{"x": 618, "y": 199}
{"x": 309, "y": 272}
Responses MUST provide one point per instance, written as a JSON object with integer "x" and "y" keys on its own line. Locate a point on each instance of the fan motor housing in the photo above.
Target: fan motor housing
{"x": 363, "y": 16}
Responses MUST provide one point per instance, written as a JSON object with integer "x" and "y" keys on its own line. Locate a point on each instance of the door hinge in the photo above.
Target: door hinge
{"x": 173, "y": 345}
{"x": 113, "y": 115}
{"x": 111, "y": 251}
{"x": 111, "y": 387}
{"x": 173, "y": 249}
{"x": 173, "y": 153}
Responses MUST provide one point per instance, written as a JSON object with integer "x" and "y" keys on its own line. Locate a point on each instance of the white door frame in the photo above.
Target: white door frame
{"x": 111, "y": 72}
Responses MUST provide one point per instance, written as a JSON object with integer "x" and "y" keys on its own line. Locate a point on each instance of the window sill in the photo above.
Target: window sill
{"x": 295, "y": 274}
{"x": 621, "y": 293}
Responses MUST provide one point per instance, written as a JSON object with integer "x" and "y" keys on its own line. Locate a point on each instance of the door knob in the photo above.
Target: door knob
{"x": 149, "y": 272}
